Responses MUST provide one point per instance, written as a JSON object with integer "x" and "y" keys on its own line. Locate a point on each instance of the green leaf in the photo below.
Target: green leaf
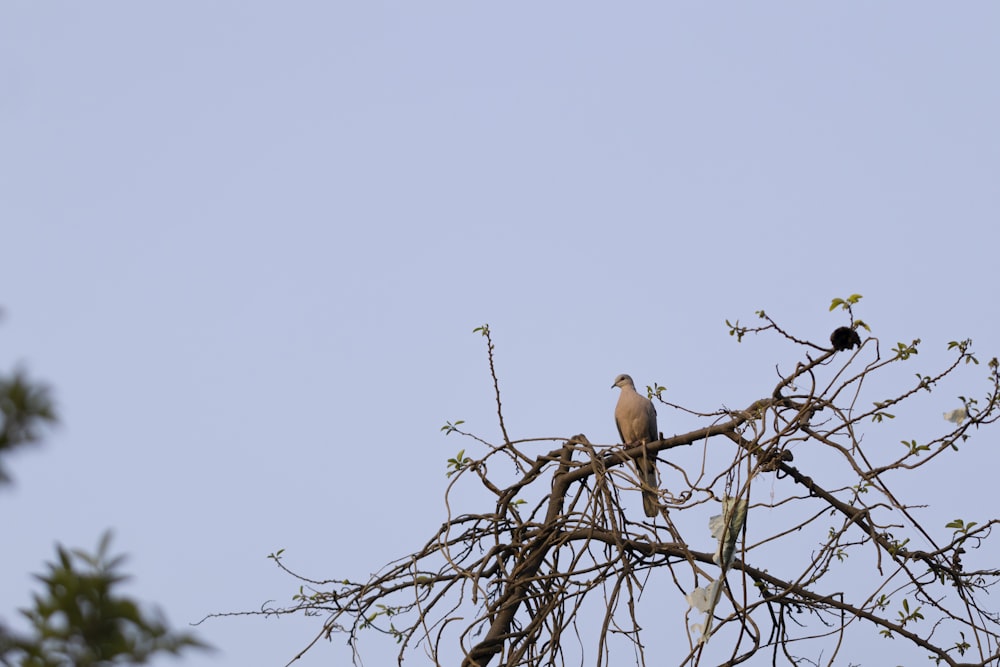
{"x": 845, "y": 304}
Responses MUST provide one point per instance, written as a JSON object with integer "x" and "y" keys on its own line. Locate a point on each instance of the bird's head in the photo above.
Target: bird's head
{"x": 623, "y": 381}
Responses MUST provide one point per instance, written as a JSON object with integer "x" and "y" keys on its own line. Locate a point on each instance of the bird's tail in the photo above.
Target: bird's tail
{"x": 650, "y": 504}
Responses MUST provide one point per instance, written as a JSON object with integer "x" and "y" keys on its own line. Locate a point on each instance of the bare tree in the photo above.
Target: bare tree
{"x": 557, "y": 571}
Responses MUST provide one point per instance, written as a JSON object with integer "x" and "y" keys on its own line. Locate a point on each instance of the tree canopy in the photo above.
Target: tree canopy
{"x": 794, "y": 534}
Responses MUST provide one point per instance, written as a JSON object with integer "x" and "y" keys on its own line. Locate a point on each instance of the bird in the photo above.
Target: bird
{"x": 845, "y": 338}
{"x": 635, "y": 417}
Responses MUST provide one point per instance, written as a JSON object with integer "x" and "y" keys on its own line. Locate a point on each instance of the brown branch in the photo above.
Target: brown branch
{"x": 482, "y": 653}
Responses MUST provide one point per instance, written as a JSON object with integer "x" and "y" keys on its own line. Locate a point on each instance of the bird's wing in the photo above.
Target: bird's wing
{"x": 651, "y": 430}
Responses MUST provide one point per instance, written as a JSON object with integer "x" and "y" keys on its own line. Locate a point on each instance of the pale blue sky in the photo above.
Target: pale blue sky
{"x": 248, "y": 242}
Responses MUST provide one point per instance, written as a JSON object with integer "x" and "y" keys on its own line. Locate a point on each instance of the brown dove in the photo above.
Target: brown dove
{"x": 635, "y": 417}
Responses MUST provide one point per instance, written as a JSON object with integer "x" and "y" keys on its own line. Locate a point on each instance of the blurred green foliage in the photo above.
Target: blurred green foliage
{"x": 79, "y": 618}
{"x": 25, "y": 409}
